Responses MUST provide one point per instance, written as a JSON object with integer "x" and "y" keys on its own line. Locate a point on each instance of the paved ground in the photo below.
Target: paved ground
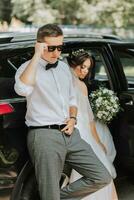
{"x": 124, "y": 185}
{"x": 4, "y": 198}
{"x": 125, "y": 189}
{"x": 5, "y": 195}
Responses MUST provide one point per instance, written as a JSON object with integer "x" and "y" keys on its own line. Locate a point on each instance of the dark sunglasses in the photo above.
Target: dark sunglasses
{"x": 52, "y": 48}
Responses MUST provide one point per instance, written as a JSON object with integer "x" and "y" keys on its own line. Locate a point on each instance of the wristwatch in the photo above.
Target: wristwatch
{"x": 72, "y": 117}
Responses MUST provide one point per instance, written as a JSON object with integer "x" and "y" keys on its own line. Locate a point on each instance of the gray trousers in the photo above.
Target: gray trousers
{"x": 50, "y": 149}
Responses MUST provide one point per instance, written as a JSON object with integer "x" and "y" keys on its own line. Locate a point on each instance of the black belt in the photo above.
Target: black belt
{"x": 54, "y": 126}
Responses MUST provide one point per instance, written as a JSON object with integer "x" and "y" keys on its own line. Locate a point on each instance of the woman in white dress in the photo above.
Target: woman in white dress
{"x": 93, "y": 132}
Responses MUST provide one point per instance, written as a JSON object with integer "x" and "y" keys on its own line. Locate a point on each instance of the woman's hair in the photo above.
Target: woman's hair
{"x": 48, "y": 30}
{"x": 78, "y": 57}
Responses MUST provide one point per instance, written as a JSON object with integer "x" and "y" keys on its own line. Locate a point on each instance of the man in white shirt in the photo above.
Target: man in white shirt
{"x": 51, "y": 117}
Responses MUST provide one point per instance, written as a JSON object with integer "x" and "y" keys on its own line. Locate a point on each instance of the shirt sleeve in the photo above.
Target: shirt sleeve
{"x": 21, "y": 88}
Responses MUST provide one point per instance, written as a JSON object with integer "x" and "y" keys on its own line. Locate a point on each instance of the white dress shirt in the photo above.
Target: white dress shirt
{"x": 49, "y": 100}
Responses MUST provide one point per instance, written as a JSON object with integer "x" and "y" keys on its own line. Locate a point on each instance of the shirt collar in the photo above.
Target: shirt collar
{"x": 43, "y": 62}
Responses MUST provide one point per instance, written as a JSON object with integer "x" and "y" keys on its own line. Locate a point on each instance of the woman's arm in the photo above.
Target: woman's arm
{"x": 91, "y": 120}
{"x": 96, "y": 136}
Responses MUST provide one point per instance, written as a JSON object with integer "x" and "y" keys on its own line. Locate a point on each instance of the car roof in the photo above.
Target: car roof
{"x": 13, "y": 37}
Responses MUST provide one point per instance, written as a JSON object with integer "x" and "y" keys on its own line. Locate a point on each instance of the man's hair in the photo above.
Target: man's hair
{"x": 48, "y": 30}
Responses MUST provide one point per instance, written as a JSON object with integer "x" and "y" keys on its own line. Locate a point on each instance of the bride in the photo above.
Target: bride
{"x": 92, "y": 131}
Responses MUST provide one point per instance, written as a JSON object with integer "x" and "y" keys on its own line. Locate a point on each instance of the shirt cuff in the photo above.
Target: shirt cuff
{"x": 22, "y": 88}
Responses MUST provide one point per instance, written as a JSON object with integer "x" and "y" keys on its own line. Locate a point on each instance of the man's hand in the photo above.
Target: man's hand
{"x": 68, "y": 129}
{"x": 39, "y": 48}
{"x": 29, "y": 74}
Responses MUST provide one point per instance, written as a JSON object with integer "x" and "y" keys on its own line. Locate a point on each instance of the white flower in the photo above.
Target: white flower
{"x": 105, "y": 104}
{"x": 77, "y": 52}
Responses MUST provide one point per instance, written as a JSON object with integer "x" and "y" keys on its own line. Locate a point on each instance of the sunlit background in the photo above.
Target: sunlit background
{"x": 105, "y": 16}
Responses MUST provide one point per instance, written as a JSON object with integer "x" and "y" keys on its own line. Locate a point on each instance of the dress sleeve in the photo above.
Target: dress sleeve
{"x": 73, "y": 95}
{"x": 21, "y": 88}
{"x": 89, "y": 109}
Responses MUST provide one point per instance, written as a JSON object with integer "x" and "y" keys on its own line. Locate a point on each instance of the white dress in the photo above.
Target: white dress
{"x": 84, "y": 119}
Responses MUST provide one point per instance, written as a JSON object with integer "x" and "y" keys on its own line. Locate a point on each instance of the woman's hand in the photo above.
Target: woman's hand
{"x": 68, "y": 129}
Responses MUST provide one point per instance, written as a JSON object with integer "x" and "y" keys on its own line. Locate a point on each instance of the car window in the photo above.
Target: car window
{"x": 100, "y": 69}
{"x": 8, "y": 67}
{"x": 6, "y": 80}
{"x": 99, "y": 74}
{"x": 127, "y": 60}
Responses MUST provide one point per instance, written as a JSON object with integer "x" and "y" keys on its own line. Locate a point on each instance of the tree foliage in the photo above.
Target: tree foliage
{"x": 67, "y": 11}
{"x": 112, "y": 13}
{"x": 33, "y": 11}
{"x": 5, "y": 10}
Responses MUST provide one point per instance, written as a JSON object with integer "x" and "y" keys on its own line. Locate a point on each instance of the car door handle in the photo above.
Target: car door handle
{"x": 130, "y": 103}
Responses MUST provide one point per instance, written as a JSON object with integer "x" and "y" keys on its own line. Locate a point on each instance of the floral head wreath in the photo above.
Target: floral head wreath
{"x": 78, "y": 52}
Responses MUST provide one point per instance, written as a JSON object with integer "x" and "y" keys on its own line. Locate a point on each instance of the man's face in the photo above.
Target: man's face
{"x": 53, "y": 50}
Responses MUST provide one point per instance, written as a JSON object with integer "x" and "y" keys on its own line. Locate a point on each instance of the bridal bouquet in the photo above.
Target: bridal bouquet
{"x": 105, "y": 104}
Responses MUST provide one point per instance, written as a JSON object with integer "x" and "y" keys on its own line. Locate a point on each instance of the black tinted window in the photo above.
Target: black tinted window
{"x": 8, "y": 67}
{"x": 126, "y": 57}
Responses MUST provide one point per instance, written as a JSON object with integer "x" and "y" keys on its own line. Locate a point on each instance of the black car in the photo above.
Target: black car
{"x": 114, "y": 68}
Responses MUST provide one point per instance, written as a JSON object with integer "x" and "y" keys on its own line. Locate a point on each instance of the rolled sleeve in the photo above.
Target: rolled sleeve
{"x": 21, "y": 88}
{"x": 73, "y": 101}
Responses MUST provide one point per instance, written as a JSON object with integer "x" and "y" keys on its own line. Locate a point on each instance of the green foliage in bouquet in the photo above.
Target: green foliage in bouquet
{"x": 105, "y": 104}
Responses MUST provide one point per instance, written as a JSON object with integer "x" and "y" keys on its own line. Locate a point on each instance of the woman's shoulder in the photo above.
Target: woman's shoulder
{"x": 83, "y": 88}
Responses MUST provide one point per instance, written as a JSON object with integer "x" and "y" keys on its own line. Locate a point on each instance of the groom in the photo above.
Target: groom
{"x": 51, "y": 116}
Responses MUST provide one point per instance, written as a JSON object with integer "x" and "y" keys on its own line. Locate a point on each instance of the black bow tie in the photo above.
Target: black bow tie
{"x": 49, "y": 66}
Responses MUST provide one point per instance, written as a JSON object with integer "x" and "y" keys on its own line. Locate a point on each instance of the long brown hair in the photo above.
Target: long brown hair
{"x": 78, "y": 57}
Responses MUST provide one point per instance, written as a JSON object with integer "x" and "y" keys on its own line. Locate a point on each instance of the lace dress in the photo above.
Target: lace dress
{"x": 85, "y": 116}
